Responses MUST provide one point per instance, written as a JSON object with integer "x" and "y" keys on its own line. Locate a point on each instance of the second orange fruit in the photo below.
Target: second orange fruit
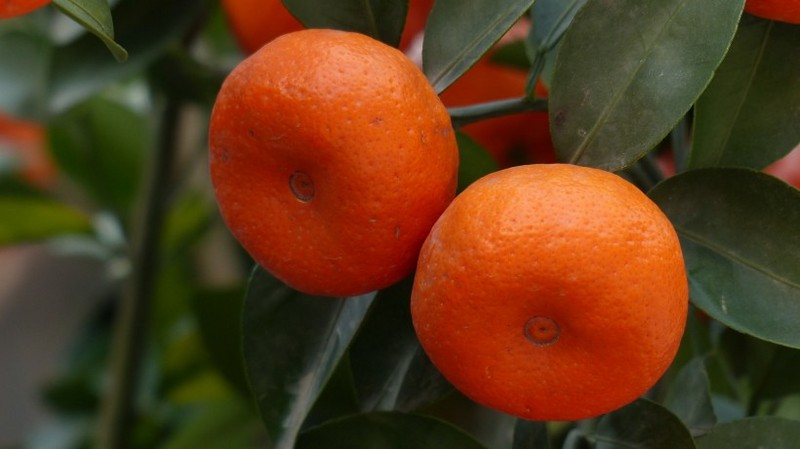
{"x": 14, "y": 8}
{"x": 781, "y": 10}
{"x": 551, "y": 292}
{"x": 331, "y": 157}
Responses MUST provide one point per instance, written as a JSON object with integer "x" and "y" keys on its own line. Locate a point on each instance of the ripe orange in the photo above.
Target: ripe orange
{"x": 551, "y": 292}
{"x": 511, "y": 139}
{"x": 25, "y": 142}
{"x": 787, "y": 168}
{"x": 331, "y": 157}
{"x": 14, "y": 8}
{"x": 256, "y": 22}
{"x": 781, "y": 10}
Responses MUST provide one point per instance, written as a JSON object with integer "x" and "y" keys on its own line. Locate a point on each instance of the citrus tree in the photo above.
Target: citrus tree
{"x": 454, "y": 223}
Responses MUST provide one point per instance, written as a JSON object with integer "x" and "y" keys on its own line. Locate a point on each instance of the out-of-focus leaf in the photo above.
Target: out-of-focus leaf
{"x": 474, "y": 161}
{"x": 25, "y": 81}
{"x": 187, "y": 79}
{"x": 26, "y": 219}
{"x": 384, "y": 430}
{"x": 102, "y": 145}
{"x": 689, "y": 398}
{"x": 219, "y": 425}
{"x": 292, "y": 344}
{"x": 761, "y": 432}
{"x": 530, "y": 435}
{"x": 628, "y": 70}
{"x": 458, "y": 33}
{"x": 739, "y": 233}
{"x": 779, "y": 378}
{"x": 188, "y": 220}
{"x": 642, "y": 424}
{"x": 95, "y": 16}
{"x": 380, "y": 19}
{"x": 749, "y": 113}
{"x": 390, "y": 369}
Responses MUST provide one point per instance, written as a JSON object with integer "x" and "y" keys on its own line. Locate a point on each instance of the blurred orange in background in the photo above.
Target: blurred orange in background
{"x": 24, "y": 142}
{"x": 14, "y": 8}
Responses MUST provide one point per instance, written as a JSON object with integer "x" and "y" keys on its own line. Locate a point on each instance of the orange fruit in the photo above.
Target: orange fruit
{"x": 781, "y": 10}
{"x": 551, "y": 292}
{"x": 787, "y": 168}
{"x": 510, "y": 139}
{"x": 331, "y": 157}
{"x": 25, "y": 142}
{"x": 14, "y": 8}
{"x": 256, "y": 22}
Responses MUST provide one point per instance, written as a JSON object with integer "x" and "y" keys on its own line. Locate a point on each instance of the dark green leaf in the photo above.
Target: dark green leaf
{"x": 292, "y": 344}
{"x": 218, "y": 425}
{"x": 551, "y": 18}
{"x": 627, "y": 72}
{"x": 689, "y": 397}
{"x": 458, "y": 33}
{"x": 102, "y": 145}
{"x": 390, "y": 370}
{"x": 474, "y": 161}
{"x": 753, "y": 433}
{"x": 380, "y": 19}
{"x": 186, "y": 223}
{"x": 95, "y": 16}
{"x": 779, "y": 378}
{"x": 530, "y": 435}
{"x": 642, "y": 424}
{"x": 386, "y": 430}
{"x": 749, "y": 113}
{"x": 187, "y": 79}
{"x": 739, "y": 233}
{"x": 28, "y": 218}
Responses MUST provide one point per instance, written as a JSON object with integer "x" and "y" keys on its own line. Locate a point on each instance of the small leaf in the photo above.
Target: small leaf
{"x": 689, "y": 397}
{"x": 28, "y": 219}
{"x": 530, "y": 435}
{"x": 642, "y": 424}
{"x": 292, "y": 344}
{"x": 474, "y": 161}
{"x": 748, "y": 115}
{"x": 740, "y": 239}
{"x": 380, "y": 19}
{"x": 762, "y": 432}
{"x": 95, "y": 16}
{"x": 628, "y": 70}
{"x": 384, "y": 430}
{"x": 458, "y": 33}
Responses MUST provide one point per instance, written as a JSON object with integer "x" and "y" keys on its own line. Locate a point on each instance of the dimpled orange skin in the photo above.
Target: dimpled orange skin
{"x": 359, "y": 121}
{"x": 781, "y": 10}
{"x": 562, "y": 245}
{"x": 15, "y": 8}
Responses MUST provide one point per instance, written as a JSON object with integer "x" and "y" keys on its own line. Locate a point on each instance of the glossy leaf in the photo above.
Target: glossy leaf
{"x": 749, "y": 113}
{"x": 530, "y": 435}
{"x": 762, "y": 432}
{"x": 390, "y": 369}
{"x": 628, "y": 70}
{"x": 95, "y": 16}
{"x": 474, "y": 161}
{"x": 689, "y": 397}
{"x": 28, "y": 219}
{"x": 458, "y": 33}
{"x": 102, "y": 145}
{"x": 380, "y": 19}
{"x": 551, "y": 19}
{"x": 292, "y": 344}
{"x": 739, "y": 233}
{"x": 386, "y": 430}
{"x": 642, "y": 424}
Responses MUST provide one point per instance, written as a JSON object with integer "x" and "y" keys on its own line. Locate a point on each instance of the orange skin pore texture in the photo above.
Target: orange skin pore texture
{"x": 780, "y": 10}
{"x": 15, "y": 8}
{"x": 369, "y": 142}
{"x": 551, "y": 292}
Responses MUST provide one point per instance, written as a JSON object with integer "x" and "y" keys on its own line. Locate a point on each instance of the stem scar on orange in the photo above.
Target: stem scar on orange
{"x": 780, "y": 10}
{"x": 551, "y": 292}
{"x": 331, "y": 157}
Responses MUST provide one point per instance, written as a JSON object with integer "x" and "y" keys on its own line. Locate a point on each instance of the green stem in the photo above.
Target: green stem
{"x": 118, "y": 406}
{"x": 463, "y": 116}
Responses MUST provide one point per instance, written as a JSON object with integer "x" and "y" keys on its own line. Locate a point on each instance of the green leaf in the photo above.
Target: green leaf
{"x": 740, "y": 239}
{"x": 474, "y": 161}
{"x": 95, "y": 16}
{"x": 386, "y": 430}
{"x": 689, "y": 397}
{"x": 642, "y": 424}
{"x": 380, "y": 19}
{"x": 748, "y": 115}
{"x": 628, "y": 70}
{"x": 458, "y": 33}
{"x": 390, "y": 369}
{"x": 753, "y": 433}
{"x": 28, "y": 219}
{"x": 102, "y": 145}
{"x": 292, "y": 344}
{"x": 218, "y": 425}
{"x": 25, "y": 80}
{"x": 551, "y": 19}
{"x": 779, "y": 378}
{"x": 530, "y": 435}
